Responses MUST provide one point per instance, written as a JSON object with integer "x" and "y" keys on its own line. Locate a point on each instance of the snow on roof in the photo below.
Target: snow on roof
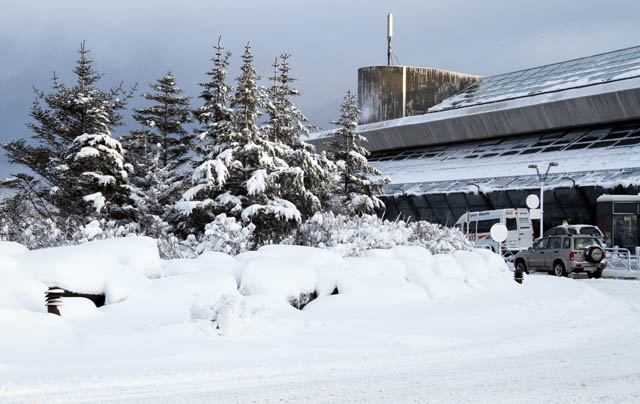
{"x": 588, "y": 156}
{"x": 587, "y": 71}
{"x": 618, "y": 198}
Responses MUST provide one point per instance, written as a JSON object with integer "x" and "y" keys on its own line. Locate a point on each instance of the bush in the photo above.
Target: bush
{"x": 352, "y": 235}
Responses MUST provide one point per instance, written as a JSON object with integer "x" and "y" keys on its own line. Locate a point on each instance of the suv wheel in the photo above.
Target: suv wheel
{"x": 520, "y": 266}
{"x": 558, "y": 269}
{"x": 597, "y": 274}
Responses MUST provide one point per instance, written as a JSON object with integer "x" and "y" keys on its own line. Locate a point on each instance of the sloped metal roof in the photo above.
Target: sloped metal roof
{"x": 595, "y": 90}
{"x": 601, "y": 156}
{"x": 587, "y": 71}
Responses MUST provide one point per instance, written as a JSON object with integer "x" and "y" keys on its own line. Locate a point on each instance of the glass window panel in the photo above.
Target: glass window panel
{"x": 578, "y": 146}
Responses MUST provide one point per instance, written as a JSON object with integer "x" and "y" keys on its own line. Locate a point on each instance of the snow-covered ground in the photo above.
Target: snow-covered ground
{"x": 406, "y": 327}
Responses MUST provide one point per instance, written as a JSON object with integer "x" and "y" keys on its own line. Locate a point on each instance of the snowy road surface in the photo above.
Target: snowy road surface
{"x": 554, "y": 341}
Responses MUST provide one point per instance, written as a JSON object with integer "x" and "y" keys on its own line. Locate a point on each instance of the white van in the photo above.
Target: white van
{"x": 477, "y": 227}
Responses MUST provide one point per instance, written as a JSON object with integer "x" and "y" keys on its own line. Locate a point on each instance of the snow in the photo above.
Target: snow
{"x": 618, "y": 198}
{"x": 97, "y": 199}
{"x": 87, "y": 152}
{"x": 494, "y": 170}
{"x": 256, "y": 184}
{"x": 406, "y": 326}
{"x": 114, "y": 267}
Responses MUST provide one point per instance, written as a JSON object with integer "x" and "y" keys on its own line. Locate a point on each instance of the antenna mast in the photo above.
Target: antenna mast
{"x": 389, "y": 35}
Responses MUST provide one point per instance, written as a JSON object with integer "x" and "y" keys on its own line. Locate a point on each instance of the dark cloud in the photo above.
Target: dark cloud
{"x": 139, "y": 41}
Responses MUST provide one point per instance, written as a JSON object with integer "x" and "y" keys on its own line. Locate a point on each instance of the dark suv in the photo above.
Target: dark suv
{"x": 562, "y": 255}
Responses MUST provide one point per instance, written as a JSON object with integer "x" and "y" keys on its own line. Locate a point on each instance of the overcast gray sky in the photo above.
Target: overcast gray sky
{"x": 139, "y": 41}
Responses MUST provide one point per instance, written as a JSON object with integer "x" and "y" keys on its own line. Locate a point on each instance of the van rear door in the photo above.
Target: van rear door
{"x": 513, "y": 235}
{"x": 525, "y": 230}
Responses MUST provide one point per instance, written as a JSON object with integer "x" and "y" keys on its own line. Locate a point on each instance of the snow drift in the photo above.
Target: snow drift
{"x": 141, "y": 288}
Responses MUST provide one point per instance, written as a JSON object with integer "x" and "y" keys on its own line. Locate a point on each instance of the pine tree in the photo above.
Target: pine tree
{"x": 154, "y": 194}
{"x": 215, "y": 114}
{"x": 163, "y": 121}
{"x": 217, "y": 119}
{"x": 287, "y": 125}
{"x": 243, "y": 176}
{"x": 356, "y": 188}
{"x": 158, "y": 153}
{"x": 96, "y": 173}
{"x": 81, "y": 111}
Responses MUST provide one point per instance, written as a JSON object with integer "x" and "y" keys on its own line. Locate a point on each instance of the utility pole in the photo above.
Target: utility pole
{"x": 542, "y": 179}
{"x": 389, "y": 35}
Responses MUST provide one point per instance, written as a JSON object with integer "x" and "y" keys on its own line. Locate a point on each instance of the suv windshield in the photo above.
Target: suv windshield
{"x": 583, "y": 242}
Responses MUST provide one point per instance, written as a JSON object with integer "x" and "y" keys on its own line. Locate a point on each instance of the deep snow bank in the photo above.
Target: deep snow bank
{"x": 143, "y": 290}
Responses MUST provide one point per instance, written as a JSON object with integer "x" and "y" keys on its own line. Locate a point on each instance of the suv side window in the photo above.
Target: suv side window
{"x": 554, "y": 243}
{"x": 541, "y": 244}
{"x": 566, "y": 243}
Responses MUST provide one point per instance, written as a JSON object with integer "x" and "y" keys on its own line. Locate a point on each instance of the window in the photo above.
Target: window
{"x": 590, "y": 231}
{"x": 512, "y": 224}
{"x": 541, "y": 244}
{"x": 566, "y": 243}
{"x": 583, "y": 243}
{"x": 625, "y": 208}
{"x": 484, "y": 226}
{"x": 554, "y": 243}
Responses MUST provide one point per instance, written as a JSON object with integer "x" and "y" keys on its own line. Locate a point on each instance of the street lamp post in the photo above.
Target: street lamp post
{"x": 542, "y": 179}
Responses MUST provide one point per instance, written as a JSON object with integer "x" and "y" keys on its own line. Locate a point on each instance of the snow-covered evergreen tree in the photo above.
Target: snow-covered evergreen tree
{"x": 154, "y": 194}
{"x": 164, "y": 120}
{"x": 200, "y": 205}
{"x": 214, "y": 115}
{"x": 287, "y": 126}
{"x": 158, "y": 153}
{"x": 243, "y": 172}
{"x": 97, "y": 174}
{"x": 357, "y": 188}
{"x": 59, "y": 118}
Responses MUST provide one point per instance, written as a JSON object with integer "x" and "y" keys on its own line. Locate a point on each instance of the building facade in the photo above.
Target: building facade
{"x": 472, "y": 150}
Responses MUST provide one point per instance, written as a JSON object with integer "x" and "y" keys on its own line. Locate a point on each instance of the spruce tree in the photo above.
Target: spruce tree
{"x": 59, "y": 119}
{"x": 357, "y": 189}
{"x": 215, "y": 116}
{"x": 97, "y": 174}
{"x": 243, "y": 177}
{"x": 163, "y": 121}
{"x": 287, "y": 125}
{"x": 262, "y": 172}
{"x": 158, "y": 152}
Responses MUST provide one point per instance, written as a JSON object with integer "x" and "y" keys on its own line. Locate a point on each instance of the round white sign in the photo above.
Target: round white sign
{"x": 499, "y": 232}
{"x": 532, "y": 201}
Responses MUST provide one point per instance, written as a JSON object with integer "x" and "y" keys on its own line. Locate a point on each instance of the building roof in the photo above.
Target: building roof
{"x": 587, "y": 71}
{"x": 600, "y": 156}
{"x": 595, "y": 90}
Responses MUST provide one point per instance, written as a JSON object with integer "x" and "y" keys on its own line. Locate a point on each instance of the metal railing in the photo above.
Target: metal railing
{"x": 621, "y": 259}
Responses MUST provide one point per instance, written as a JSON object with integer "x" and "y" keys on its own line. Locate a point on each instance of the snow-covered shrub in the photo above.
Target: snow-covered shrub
{"x": 169, "y": 247}
{"x": 36, "y": 233}
{"x": 103, "y": 229}
{"x": 353, "y": 235}
{"x": 437, "y": 238}
{"x": 229, "y": 314}
{"x": 226, "y": 235}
